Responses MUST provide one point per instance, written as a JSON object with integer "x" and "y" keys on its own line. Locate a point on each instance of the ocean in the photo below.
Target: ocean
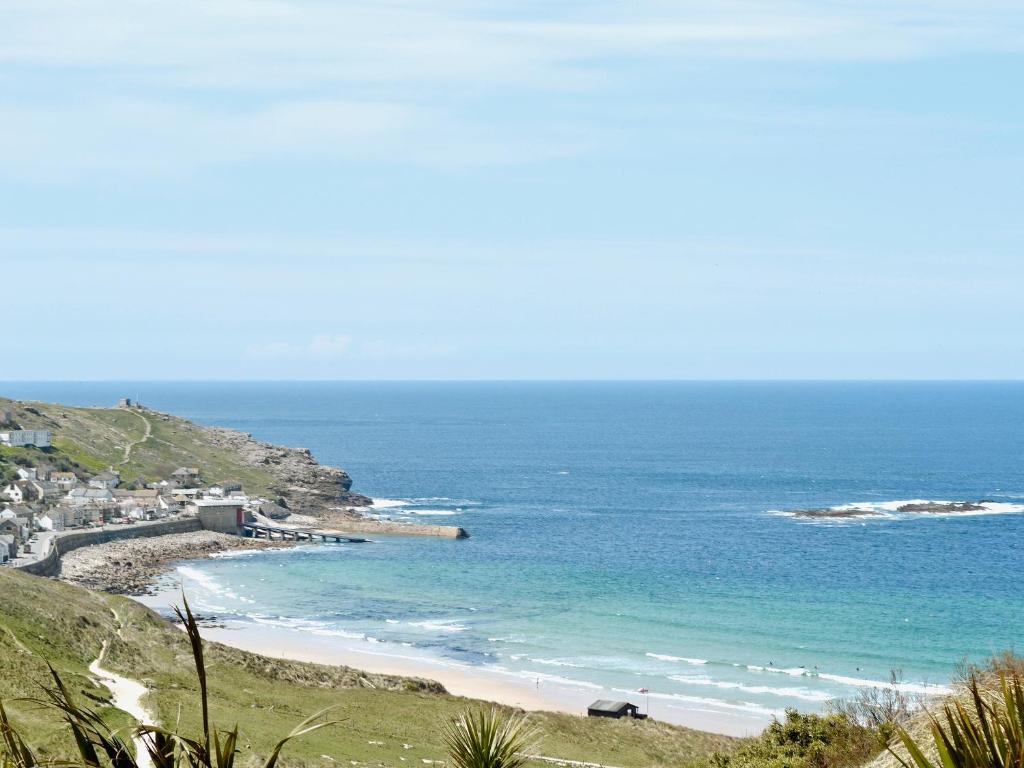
{"x": 636, "y": 535}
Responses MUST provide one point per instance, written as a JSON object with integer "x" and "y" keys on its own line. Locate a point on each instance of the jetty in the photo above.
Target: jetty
{"x": 262, "y": 530}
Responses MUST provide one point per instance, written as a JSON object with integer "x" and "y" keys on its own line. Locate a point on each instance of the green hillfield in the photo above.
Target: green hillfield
{"x": 386, "y": 720}
{"x": 89, "y": 440}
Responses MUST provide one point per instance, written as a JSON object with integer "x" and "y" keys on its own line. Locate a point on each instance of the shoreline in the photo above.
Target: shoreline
{"x": 146, "y": 567}
{"x": 479, "y": 683}
{"x": 134, "y": 566}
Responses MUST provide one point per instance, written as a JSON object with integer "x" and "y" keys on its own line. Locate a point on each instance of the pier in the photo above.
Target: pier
{"x": 261, "y": 530}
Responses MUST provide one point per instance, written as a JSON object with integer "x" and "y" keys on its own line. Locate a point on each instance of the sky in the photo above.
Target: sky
{"x": 312, "y": 189}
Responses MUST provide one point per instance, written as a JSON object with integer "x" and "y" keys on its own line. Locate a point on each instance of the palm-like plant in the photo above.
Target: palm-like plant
{"x": 488, "y": 739}
{"x": 988, "y": 733}
{"x": 98, "y": 745}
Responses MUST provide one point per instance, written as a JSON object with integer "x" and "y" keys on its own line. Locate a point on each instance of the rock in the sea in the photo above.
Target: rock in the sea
{"x": 839, "y": 513}
{"x": 943, "y": 507}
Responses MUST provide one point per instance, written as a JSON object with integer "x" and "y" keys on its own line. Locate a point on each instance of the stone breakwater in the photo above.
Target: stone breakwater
{"x": 131, "y": 566}
{"x": 353, "y": 522}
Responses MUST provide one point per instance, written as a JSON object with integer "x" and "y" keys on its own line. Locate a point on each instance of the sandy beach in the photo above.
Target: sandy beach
{"x": 459, "y": 680}
{"x": 482, "y": 682}
{"x": 135, "y": 567}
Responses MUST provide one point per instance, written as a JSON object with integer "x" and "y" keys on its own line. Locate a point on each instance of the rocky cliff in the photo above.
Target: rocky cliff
{"x": 305, "y": 485}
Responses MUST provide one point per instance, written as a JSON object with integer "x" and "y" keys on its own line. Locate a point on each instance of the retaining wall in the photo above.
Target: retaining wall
{"x": 59, "y": 545}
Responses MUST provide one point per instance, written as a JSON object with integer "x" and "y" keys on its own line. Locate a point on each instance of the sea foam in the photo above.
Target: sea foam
{"x": 682, "y": 659}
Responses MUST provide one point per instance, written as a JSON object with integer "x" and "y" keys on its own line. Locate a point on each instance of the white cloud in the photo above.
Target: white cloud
{"x": 68, "y": 141}
{"x": 292, "y": 44}
{"x": 169, "y": 138}
{"x": 321, "y": 348}
{"x": 180, "y": 85}
{"x": 329, "y": 348}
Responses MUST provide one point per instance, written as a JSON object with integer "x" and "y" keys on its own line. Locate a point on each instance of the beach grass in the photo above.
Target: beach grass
{"x": 387, "y": 720}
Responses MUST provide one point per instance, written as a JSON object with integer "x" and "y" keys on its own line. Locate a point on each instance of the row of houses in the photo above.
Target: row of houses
{"x": 22, "y": 438}
{"x": 40, "y": 499}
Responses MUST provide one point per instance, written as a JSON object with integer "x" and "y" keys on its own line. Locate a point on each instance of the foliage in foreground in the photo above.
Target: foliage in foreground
{"x": 805, "y": 741}
{"x": 99, "y": 745}
{"x": 488, "y": 739}
{"x": 986, "y": 732}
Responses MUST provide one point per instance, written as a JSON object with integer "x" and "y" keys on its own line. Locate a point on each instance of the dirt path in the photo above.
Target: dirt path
{"x": 126, "y": 695}
{"x": 145, "y": 437}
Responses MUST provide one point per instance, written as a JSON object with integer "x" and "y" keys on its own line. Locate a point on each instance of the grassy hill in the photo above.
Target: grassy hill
{"x": 42, "y": 620}
{"x": 147, "y": 445}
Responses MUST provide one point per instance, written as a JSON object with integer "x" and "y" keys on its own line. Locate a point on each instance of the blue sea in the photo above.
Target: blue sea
{"x": 635, "y": 535}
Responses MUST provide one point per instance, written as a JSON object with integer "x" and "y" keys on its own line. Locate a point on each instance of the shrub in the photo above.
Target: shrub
{"x": 880, "y": 709}
{"x": 805, "y": 741}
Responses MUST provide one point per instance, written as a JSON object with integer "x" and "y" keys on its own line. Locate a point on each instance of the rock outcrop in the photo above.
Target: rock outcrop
{"x": 914, "y": 507}
{"x": 943, "y": 507}
{"x": 842, "y": 512}
{"x": 307, "y": 486}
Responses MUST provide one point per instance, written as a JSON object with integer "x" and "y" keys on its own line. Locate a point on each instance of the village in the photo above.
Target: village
{"x": 42, "y": 498}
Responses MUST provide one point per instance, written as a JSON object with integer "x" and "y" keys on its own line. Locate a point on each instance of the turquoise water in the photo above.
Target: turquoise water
{"x": 631, "y": 535}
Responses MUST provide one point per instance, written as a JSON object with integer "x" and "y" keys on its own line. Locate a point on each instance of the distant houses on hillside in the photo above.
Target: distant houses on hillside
{"x": 42, "y": 499}
{"x": 44, "y": 491}
{"x": 186, "y": 477}
{"x": 20, "y": 438}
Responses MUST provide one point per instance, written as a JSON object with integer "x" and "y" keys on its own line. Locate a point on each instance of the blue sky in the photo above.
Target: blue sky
{"x": 312, "y": 189}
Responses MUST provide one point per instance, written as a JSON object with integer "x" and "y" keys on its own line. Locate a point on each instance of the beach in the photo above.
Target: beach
{"x": 132, "y": 566}
{"x": 472, "y": 682}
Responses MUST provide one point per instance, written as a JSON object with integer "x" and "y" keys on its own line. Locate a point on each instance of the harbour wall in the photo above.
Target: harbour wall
{"x": 49, "y": 564}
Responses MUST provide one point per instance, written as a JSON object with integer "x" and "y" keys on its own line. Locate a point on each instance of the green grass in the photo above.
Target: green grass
{"x": 95, "y": 439}
{"x": 66, "y": 625}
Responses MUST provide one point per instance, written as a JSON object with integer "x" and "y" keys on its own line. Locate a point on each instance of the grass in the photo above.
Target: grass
{"x": 95, "y": 439}
{"x": 386, "y": 720}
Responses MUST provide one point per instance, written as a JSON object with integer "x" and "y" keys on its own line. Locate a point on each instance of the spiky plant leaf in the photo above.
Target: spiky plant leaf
{"x": 488, "y": 739}
{"x": 986, "y": 734}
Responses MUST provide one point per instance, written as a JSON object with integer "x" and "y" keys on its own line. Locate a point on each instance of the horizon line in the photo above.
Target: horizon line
{"x": 779, "y": 380}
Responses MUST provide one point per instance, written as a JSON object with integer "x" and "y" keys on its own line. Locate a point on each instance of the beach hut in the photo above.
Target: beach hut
{"x": 614, "y": 709}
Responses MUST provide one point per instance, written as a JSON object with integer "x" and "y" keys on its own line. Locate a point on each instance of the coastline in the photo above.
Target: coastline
{"x": 481, "y": 682}
{"x": 133, "y": 566}
{"x": 142, "y": 568}
{"x": 475, "y": 682}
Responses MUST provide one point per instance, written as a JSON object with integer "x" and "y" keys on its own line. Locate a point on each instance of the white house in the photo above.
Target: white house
{"x": 168, "y": 504}
{"x": 14, "y": 492}
{"x": 108, "y": 480}
{"x": 64, "y": 480}
{"x": 27, "y": 473}
{"x": 78, "y": 497}
{"x": 44, "y": 523}
{"x": 19, "y": 438}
